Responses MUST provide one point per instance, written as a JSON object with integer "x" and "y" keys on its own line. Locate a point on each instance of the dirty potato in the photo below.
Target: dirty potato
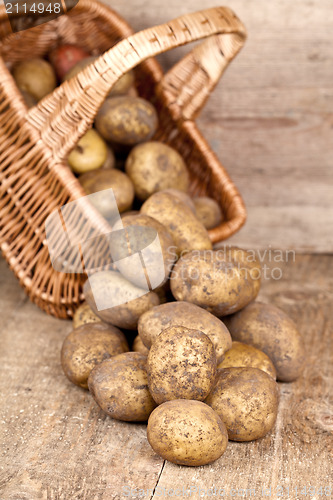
{"x": 184, "y": 197}
{"x": 35, "y": 76}
{"x": 218, "y": 281}
{"x": 243, "y": 355}
{"x": 137, "y": 235}
{"x": 187, "y": 232}
{"x": 154, "y": 166}
{"x": 126, "y": 120}
{"x": 138, "y": 346}
{"x": 269, "y": 329}
{"x": 110, "y": 161}
{"x": 161, "y": 317}
{"x": 247, "y": 399}
{"x": 84, "y": 314}
{"x": 119, "y": 386}
{"x": 187, "y": 433}
{"x": 208, "y": 211}
{"x": 117, "y": 301}
{"x": 181, "y": 365}
{"x": 99, "y": 182}
{"x": 88, "y": 345}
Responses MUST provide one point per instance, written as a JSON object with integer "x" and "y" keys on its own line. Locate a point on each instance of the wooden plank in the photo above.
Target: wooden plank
{"x": 55, "y": 444}
{"x": 312, "y": 16}
{"x": 298, "y": 453}
{"x": 306, "y": 228}
{"x": 273, "y": 149}
{"x": 10, "y": 293}
{"x": 313, "y": 105}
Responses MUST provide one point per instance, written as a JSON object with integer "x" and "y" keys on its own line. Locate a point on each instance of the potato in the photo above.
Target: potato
{"x": 35, "y": 76}
{"x": 161, "y": 317}
{"x": 184, "y": 197}
{"x": 208, "y": 211}
{"x": 247, "y": 399}
{"x": 269, "y": 329}
{"x": 100, "y": 181}
{"x": 138, "y": 346}
{"x": 144, "y": 238}
{"x": 154, "y": 166}
{"x": 187, "y": 433}
{"x": 124, "y": 85}
{"x": 78, "y": 67}
{"x": 246, "y": 356}
{"x": 83, "y": 315}
{"x": 64, "y": 57}
{"x": 90, "y": 153}
{"x": 181, "y": 365}
{"x": 220, "y": 282}
{"x": 119, "y": 386}
{"x": 88, "y": 345}
{"x": 120, "y": 302}
{"x": 110, "y": 161}
{"x": 187, "y": 232}
{"x": 126, "y": 120}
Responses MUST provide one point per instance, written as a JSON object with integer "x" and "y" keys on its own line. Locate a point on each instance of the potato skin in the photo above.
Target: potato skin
{"x": 154, "y": 166}
{"x": 100, "y": 180}
{"x": 84, "y": 314}
{"x": 187, "y": 433}
{"x": 218, "y": 281}
{"x": 187, "y": 232}
{"x": 126, "y": 120}
{"x": 247, "y": 399}
{"x": 269, "y": 329}
{"x": 181, "y": 364}
{"x": 111, "y": 285}
{"x": 119, "y": 386}
{"x": 208, "y": 211}
{"x": 138, "y": 346}
{"x": 89, "y": 154}
{"x": 110, "y": 161}
{"x": 184, "y": 197}
{"x": 141, "y": 231}
{"x": 87, "y": 346}
{"x": 243, "y": 355}
{"x": 35, "y": 76}
{"x": 161, "y": 317}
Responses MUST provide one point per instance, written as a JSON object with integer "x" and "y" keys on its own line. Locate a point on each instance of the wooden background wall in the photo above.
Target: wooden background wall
{"x": 271, "y": 118}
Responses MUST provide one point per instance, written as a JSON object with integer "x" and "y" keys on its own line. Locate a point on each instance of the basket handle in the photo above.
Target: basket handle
{"x": 188, "y": 84}
{"x": 65, "y": 115}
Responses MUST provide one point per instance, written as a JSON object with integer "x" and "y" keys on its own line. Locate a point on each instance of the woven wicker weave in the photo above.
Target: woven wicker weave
{"x": 35, "y": 179}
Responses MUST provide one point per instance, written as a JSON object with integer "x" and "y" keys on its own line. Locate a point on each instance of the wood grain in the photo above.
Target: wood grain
{"x": 56, "y": 445}
{"x": 271, "y": 118}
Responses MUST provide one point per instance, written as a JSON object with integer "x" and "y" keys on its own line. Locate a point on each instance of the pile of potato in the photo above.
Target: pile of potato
{"x": 192, "y": 353}
{"x": 197, "y": 385}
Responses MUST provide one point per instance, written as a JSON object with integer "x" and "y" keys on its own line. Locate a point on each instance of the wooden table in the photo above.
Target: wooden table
{"x": 57, "y": 445}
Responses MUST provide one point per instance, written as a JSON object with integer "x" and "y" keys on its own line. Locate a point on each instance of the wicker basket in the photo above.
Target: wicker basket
{"x": 35, "y": 179}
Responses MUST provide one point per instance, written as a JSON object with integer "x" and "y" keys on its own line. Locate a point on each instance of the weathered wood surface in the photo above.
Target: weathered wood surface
{"x": 271, "y": 118}
{"x": 55, "y": 444}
